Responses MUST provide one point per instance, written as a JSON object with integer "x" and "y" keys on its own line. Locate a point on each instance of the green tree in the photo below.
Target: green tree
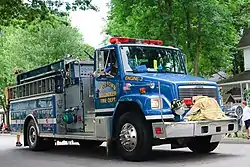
{"x": 26, "y": 49}
{"x": 37, "y": 32}
{"x": 24, "y": 12}
{"x": 205, "y": 30}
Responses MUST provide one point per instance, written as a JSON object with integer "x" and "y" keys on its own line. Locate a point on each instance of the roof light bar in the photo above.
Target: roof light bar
{"x": 119, "y": 40}
{"x": 150, "y": 42}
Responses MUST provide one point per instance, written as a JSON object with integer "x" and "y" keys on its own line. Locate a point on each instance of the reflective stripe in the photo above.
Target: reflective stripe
{"x": 40, "y": 121}
{"x": 105, "y": 110}
{"x": 47, "y": 121}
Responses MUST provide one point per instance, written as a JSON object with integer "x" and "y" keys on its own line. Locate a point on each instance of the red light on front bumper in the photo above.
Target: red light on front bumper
{"x": 158, "y": 131}
{"x": 188, "y": 101}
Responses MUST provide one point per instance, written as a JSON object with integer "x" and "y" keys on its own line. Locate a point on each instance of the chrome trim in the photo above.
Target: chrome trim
{"x": 73, "y": 137}
{"x": 196, "y": 86}
{"x": 193, "y": 128}
{"x": 105, "y": 110}
{"x": 150, "y": 117}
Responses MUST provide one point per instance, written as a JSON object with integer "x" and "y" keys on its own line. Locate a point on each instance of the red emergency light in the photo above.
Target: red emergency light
{"x": 188, "y": 101}
{"x": 117, "y": 40}
{"x": 150, "y": 42}
{"x": 120, "y": 40}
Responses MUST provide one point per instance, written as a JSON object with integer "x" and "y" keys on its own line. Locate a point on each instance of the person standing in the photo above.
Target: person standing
{"x": 246, "y": 117}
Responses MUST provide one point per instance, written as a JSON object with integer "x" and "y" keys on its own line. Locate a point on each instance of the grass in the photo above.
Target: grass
{"x": 242, "y": 134}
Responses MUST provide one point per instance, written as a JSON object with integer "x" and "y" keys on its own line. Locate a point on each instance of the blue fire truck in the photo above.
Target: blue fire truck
{"x": 121, "y": 96}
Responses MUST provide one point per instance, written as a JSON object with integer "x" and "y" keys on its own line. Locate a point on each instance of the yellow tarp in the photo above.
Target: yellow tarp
{"x": 205, "y": 108}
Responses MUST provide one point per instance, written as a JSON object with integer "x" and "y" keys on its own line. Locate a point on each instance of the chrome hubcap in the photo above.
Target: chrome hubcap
{"x": 32, "y": 135}
{"x": 128, "y": 137}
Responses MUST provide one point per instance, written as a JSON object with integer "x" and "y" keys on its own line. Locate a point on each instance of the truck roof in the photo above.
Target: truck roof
{"x": 144, "y": 45}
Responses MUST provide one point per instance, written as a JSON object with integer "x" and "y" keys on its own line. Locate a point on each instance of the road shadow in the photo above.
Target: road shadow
{"x": 159, "y": 155}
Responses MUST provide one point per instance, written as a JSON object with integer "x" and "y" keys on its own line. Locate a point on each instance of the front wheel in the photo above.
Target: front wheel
{"x": 202, "y": 145}
{"x": 134, "y": 137}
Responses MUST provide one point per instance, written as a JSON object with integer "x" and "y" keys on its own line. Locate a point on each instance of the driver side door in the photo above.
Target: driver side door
{"x": 107, "y": 81}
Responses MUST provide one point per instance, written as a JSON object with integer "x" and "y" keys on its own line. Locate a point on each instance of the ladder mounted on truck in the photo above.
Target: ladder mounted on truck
{"x": 40, "y": 81}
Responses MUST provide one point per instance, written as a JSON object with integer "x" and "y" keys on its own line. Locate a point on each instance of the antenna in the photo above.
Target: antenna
{"x": 88, "y": 55}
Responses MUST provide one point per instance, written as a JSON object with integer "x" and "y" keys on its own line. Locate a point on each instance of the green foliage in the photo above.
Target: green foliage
{"x": 38, "y": 45}
{"x": 34, "y": 33}
{"x": 206, "y": 31}
{"x": 22, "y": 13}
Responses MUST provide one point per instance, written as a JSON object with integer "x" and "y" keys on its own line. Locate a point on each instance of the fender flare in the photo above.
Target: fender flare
{"x": 140, "y": 100}
{"x": 35, "y": 120}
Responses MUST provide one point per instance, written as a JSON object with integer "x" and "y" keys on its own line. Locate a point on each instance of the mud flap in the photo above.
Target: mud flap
{"x": 215, "y": 138}
{"x": 110, "y": 148}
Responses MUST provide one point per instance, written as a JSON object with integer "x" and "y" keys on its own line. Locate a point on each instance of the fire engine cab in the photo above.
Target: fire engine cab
{"x": 121, "y": 96}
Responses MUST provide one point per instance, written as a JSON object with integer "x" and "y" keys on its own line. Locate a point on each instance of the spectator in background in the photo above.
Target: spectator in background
{"x": 246, "y": 117}
{"x": 1, "y": 125}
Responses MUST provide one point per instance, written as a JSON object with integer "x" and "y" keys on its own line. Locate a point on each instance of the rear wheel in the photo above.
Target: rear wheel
{"x": 134, "y": 137}
{"x": 35, "y": 142}
{"x": 202, "y": 145}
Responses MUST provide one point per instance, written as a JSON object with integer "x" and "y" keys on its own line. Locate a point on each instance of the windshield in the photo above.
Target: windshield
{"x": 152, "y": 59}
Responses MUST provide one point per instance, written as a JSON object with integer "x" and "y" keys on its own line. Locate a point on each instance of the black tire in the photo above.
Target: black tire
{"x": 89, "y": 144}
{"x": 35, "y": 142}
{"x": 48, "y": 143}
{"x": 202, "y": 145}
{"x": 143, "y": 147}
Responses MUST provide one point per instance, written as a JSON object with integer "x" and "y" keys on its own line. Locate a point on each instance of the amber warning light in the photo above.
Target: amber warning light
{"x": 123, "y": 40}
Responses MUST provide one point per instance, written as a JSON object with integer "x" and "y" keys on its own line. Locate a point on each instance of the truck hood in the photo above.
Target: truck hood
{"x": 172, "y": 78}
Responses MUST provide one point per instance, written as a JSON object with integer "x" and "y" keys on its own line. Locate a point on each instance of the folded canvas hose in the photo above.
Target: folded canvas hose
{"x": 204, "y": 108}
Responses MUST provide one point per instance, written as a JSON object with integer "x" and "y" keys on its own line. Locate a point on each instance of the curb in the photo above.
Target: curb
{"x": 235, "y": 141}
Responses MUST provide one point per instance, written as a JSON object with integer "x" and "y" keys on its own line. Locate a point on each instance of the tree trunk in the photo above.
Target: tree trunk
{"x": 197, "y": 56}
{"x": 188, "y": 30}
{"x": 170, "y": 22}
{"x": 198, "y": 46}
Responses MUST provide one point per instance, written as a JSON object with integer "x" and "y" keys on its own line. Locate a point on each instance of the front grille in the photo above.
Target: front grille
{"x": 190, "y": 91}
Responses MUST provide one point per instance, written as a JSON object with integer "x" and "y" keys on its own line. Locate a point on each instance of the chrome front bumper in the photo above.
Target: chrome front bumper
{"x": 194, "y": 128}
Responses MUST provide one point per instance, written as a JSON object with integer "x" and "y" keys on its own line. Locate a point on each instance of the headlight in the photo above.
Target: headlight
{"x": 156, "y": 103}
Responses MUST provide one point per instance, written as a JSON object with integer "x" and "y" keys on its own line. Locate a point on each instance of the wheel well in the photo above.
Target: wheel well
{"x": 27, "y": 120}
{"x": 124, "y": 107}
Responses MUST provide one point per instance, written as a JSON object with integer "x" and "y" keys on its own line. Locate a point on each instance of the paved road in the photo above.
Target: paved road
{"x": 72, "y": 156}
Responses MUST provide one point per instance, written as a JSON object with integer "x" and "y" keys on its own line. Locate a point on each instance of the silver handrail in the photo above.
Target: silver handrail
{"x": 161, "y": 102}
